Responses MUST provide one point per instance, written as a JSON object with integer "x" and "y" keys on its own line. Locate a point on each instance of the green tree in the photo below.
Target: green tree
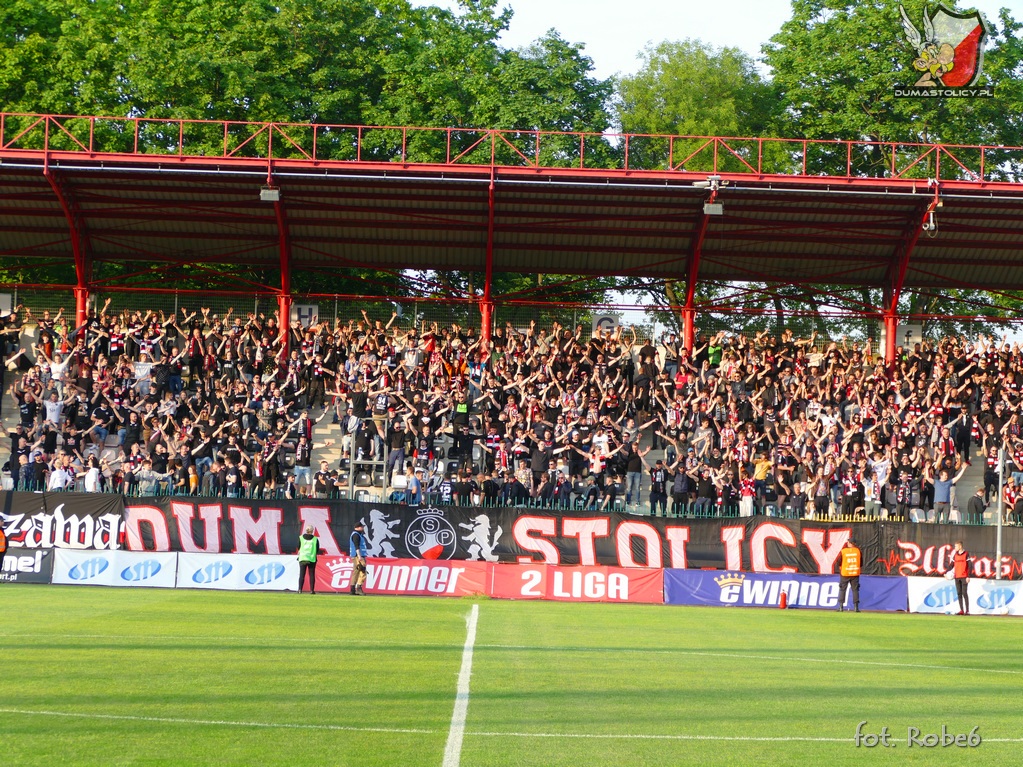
{"x": 835, "y": 64}
{"x": 689, "y": 88}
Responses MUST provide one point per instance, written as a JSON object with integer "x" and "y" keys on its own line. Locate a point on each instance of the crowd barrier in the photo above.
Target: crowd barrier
{"x": 447, "y": 578}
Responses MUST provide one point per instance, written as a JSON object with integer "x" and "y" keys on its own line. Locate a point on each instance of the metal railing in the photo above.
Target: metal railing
{"x": 228, "y": 141}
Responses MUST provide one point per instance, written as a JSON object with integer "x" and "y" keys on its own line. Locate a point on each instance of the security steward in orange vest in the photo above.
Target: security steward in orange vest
{"x": 852, "y": 563}
{"x": 3, "y": 545}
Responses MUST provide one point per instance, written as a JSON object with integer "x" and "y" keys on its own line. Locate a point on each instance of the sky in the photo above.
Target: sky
{"x": 614, "y": 32}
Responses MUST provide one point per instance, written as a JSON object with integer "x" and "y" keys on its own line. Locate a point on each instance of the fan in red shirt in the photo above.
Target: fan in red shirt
{"x": 961, "y": 573}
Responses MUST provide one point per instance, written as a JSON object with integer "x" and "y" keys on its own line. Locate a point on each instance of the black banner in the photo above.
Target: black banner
{"x": 62, "y": 520}
{"x": 760, "y": 544}
{"x": 34, "y": 566}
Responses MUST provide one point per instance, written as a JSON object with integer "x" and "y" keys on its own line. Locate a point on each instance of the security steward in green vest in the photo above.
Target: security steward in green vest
{"x": 308, "y": 548}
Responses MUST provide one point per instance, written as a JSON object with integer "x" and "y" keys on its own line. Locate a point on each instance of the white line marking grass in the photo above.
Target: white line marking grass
{"x": 214, "y": 722}
{"x": 340, "y": 728}
{"x": 453, "y": 749}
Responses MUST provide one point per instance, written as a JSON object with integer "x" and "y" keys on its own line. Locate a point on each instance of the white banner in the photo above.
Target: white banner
{"x": 987, "y": 597}
{"x": 305, "y": 315}
{"x": 238, "y": 572}
{"x": 602, "y": 322}
{"x": 114, "y": 568}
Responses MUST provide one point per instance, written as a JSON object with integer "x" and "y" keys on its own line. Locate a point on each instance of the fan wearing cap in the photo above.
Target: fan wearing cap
{"x": 357, "y": 551}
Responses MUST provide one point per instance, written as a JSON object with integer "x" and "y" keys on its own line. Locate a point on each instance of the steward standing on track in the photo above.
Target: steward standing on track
{"x": 308, "y": 548}
{"x": 357, "y": 551}
{"x": 960, "y": 571}
{"x": 3, "y": 546}
{"x": 852, "y": 561}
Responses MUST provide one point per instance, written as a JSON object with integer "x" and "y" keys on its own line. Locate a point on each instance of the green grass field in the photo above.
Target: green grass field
{"x": 95, "y": 676}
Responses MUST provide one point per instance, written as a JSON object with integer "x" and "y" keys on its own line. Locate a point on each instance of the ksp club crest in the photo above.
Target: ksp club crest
{"x": 430, "y": 535}
{"x": 949, "y": 50}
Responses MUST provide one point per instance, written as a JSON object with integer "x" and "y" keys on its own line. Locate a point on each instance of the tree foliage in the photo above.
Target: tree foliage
{"x": 835, "y": 64}
{"x": 341, "y": 62}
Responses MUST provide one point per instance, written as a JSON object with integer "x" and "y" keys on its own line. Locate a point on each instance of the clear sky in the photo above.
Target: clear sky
{"x": 614, "y": 32}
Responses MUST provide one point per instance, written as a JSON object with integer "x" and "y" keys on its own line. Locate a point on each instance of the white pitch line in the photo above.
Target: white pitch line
{"x": 747, "y": 656}
{"x": 402, "y": 731}
{"x": 216, "y": 722}
{"x": 453, "y": 749}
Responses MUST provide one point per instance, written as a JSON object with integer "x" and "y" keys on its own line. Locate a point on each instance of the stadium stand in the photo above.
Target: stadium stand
{"x": 143, "y": 403}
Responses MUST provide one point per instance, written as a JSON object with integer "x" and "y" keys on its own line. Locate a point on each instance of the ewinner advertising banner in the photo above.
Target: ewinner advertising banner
{"x": 406, "y": 577}
{"x": 578, "y": 584}
{"x": 114, "y": 568}
{"x": 27, "y": 566}
{"x": 237, "y": 572}
{"x": 62, "y": 520}
{"x": 987, "y": 597}
{"x": 738, "y": 589}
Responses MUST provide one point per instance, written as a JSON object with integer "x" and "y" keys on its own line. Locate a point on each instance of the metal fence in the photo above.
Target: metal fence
{"x": 648, "y": 321}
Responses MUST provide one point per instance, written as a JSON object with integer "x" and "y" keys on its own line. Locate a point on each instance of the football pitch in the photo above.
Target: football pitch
{"x": 96, "y": 676}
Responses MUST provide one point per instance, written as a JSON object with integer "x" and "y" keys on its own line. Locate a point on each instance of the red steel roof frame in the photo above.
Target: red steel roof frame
{"x": 486, "y": 201}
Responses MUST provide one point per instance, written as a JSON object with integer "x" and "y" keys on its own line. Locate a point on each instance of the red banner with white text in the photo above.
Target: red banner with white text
{"x": 578, "y": 584}
{"x": 407, "y": 577}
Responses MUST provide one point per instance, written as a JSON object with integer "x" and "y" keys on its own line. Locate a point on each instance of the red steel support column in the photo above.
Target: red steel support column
{"x": 79, "y": 245}
{"x": 891, "y": 328}
{"x": 692, "y": 275}
{"x": 284, "y": 297}
{"x": 897, "y": 277}
{"x": 487, "y": 303}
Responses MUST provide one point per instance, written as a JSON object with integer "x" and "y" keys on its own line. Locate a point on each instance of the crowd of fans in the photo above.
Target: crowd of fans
{"x": 140, "y": 402}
